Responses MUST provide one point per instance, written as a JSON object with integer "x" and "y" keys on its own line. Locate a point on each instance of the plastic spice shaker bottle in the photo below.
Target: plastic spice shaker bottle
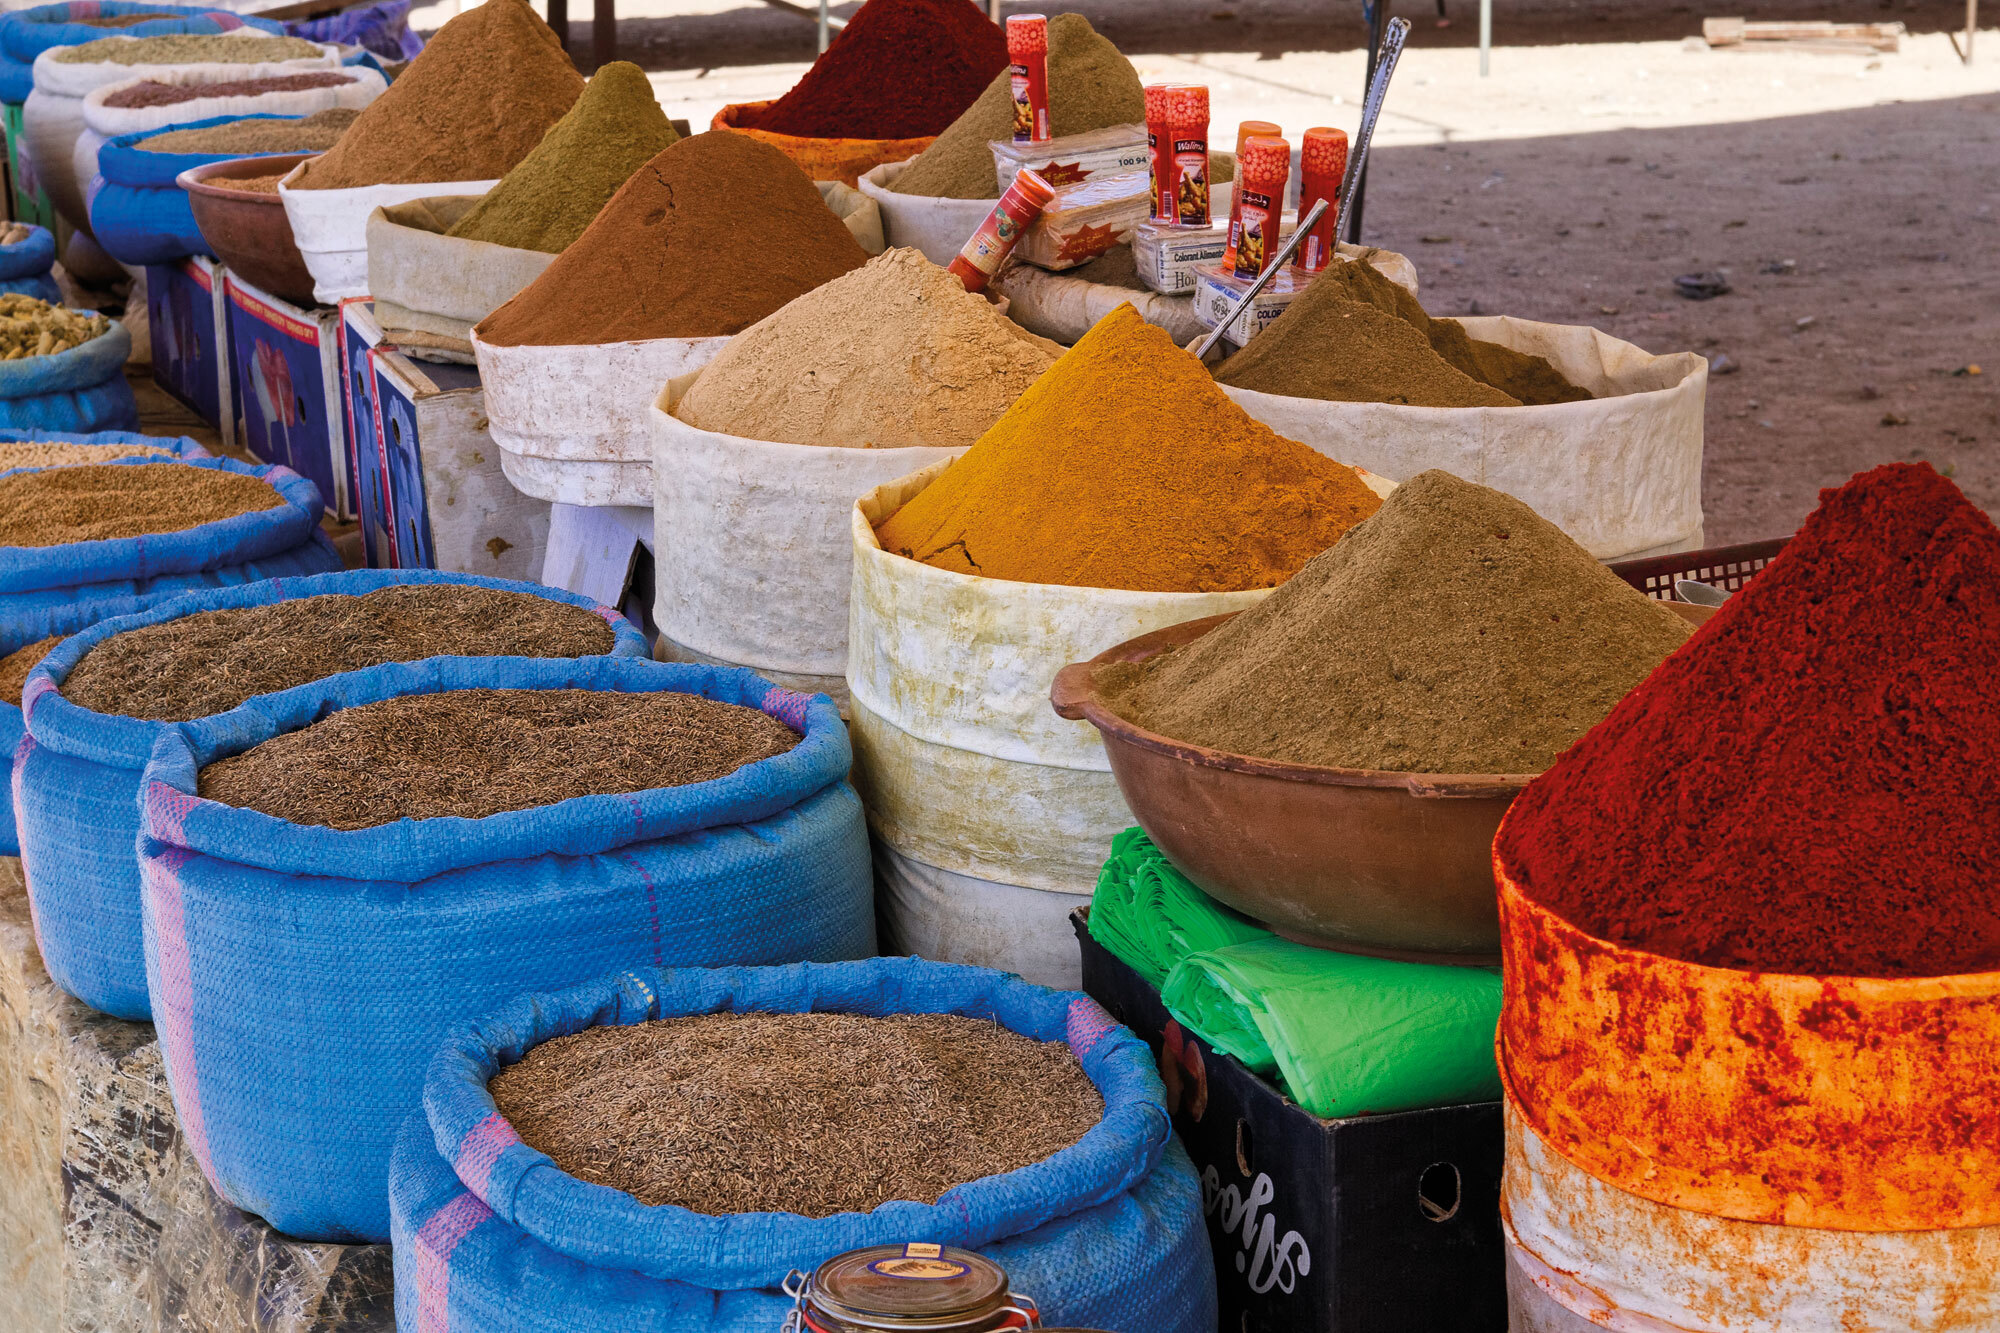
{"x": 936, "y": 1288}
{"x": 1322, "y": 168}
{"x": 1261, "y": 173}
{"x": 1187, "y": 112}
{"x": 1028, "y": 74}
{"x": 996, "y": 238}
{"x": 1248, "y": 130}
{"x": 1159, "y": 148}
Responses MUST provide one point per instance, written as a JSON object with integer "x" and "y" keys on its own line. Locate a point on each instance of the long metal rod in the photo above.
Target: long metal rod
{"x": 1306, "y": 224}
{"x": 1371, "y": 111}
{"x": 1486, "y": 37}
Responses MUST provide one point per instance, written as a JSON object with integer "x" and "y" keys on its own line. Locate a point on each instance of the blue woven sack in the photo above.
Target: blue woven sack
{"x": 49, "y": 591}
{"x": 25, "y": 267}
{"x": 294, "y": 1054}
{"x": 138, "y": 212}
{"x": 82, "y": 390}
{"x": 26, "y": 33}
{"x": 492, "y": 1237}
{"x": 76, "y": 792}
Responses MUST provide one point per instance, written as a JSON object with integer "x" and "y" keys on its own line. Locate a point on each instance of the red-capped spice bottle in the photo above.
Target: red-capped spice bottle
{"x": 996, "y": 238}
{"x": 1028, "y": 74}
{"x": 1160, "y": 149}
{"x": 1322, "y": 167}
{"x": 1261, "y": 172}
{"x": 1187, "y": 121}
{"x": 1248, "y": 130}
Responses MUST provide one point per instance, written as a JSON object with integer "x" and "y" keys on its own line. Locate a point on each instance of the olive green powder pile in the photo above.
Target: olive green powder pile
{"x": 312, "y": 134}
{"x": 615, "y": 128}
{"x": 1455, "y": 631}
{"x": 796, "y": 1113}
{"x": 1091, "y": 87}
{"x": 189, "y": 49}
{"x": 59, "y": 505}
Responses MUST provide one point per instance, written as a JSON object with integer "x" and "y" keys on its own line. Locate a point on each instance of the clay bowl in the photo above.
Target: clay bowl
{"x": 250, "y": 233}
{"x": 1398, "y": 865}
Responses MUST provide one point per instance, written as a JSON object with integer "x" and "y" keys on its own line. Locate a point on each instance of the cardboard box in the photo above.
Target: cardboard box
{"x": 189, "y": 317}
{"x": 287, "y": 363}
{"x": 1371, "y": 1224}
{"x": 431, "y": 492}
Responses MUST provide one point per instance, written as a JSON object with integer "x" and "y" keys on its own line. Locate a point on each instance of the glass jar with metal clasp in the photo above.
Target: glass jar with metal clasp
{"x": 914, "y": 1288}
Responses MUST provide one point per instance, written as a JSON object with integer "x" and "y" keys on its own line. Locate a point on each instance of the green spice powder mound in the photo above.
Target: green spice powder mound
{"x": 1091, "y": 87}
{"x": 188, "y": 49}
{"x": 615, "y": 128}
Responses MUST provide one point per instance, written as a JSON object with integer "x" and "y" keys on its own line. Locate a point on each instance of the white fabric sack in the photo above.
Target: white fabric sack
{"x": 331, "y": 227}
{"x": 952, "y": 918}
{"x": 435, "y": 285}
{"x": 937, "y": 227}
{"x": 1621, "y": 473}
{"x": 53, "y": 116}
{"x": 112, "y": 121}
{"x": 861, "y": 214}
{"x": 753, "y": 550}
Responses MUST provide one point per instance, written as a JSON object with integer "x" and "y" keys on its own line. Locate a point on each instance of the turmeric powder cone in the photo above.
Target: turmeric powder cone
{"x": 1124, "y": 466}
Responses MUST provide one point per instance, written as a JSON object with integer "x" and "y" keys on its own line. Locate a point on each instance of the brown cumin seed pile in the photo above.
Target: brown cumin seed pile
{"x": 60, "y": 505}
{"x": 473, "y": 753}
{"x": 796, "y": 1113}
{"x": 15, "y": 666}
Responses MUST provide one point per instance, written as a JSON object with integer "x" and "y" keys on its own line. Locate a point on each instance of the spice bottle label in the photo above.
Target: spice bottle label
{"x": 1190, "y": 174}
{"x": 1259, "y": 232}
{"x": 919, "y": 1270}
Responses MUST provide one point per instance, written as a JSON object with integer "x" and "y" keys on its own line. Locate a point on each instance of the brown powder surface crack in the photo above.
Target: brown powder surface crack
{"x": 60, "y": 505}
{"x": 473, "y": 753}
{"x": 212, "y": 661}
{"x": 796, "y": 1113}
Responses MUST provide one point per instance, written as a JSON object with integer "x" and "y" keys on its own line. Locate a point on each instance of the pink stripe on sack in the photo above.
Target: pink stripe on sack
{"x": 788, "y": 706}
{"x": 36, "y": 688}
{"x": 480, "y": 1148}
{"x": 17, "y": 786}
{"x": 1087, "y": 1024}
{"x": 223, "y": 20}
{"x": 173, "y": 1006}
{"x": 167, "y": 811}
{"x": 436, "y": 1240}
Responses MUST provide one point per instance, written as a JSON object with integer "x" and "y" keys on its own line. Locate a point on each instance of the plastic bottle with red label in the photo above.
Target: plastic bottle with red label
{"x": 1028, "y": 76}
{"x": 1187, "y": 123}
{"x": 1322, "y": 168}
{"x": 1016, "y": 211}
{"x": 1248, "y": 130}
{"x": 1262, "y": 170}
{"x": 1159, "y": 149}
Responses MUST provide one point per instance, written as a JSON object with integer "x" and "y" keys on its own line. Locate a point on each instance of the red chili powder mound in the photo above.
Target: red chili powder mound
{"x": 1810, "y": 784}
{"x": 900, "y": 69}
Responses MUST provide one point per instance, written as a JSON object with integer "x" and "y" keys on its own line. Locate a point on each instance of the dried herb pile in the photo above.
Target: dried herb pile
{"x": 78, "y": 504}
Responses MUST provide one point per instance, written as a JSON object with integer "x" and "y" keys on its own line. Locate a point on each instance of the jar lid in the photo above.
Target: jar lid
{"x": 909, "y": 1287}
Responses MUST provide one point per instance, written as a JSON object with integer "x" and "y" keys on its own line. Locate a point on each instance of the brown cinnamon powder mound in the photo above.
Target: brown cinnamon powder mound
{"x": 796, "y": 1113}
{"x": 706, "y": 239}
{"x": 473, "y": 753}
{"x": 212, "y": 661}
{"x": 474, "y": 102}
{"x": 1456, "y": 631}
{"x": 15, "y": 666}
{"x": 60, "y": 505}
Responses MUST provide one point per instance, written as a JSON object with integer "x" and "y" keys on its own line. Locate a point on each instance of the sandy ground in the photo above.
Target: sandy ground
{"x": 1852, "y": 200}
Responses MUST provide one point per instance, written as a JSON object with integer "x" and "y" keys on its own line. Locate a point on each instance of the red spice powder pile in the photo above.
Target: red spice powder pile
{"x": 1812, "y": 783}
{"x": 901, "y": 69}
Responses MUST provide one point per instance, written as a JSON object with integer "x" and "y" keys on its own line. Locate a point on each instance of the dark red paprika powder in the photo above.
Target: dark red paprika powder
{"x": 1811, "y": 784}
{"x": 900, "y": 69}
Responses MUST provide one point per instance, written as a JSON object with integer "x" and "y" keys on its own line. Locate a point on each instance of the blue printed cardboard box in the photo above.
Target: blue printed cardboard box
{"x": 188, "y": 314}
{"x": 288, "y": 382}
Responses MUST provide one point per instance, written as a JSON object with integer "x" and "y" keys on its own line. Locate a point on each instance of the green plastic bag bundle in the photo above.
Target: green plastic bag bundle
{"x": 1347, "y": 1034}
{"x": 1151, "y": 916}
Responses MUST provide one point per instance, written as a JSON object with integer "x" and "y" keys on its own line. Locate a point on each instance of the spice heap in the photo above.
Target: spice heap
{"x": 939, "y": 364}
{"x": 55, "y": 454}
{"x": 151, "y": 93}
{"x": 615, "y": 128}
{"x": 900, "y": 69}
{"x": 313, "y": 134}
{"x": 1354, "y": 336}
{"x": 15, "y": 666}
{"x": 59, "y": 505}
{"x": 706, "y": 239}
{"x": 29, "y": 327}
{"x": 1808, "y": 786}
{"x": 249, "y": 184}
{"x": 189, "y": 49}
{"x": 473, "y": 753}
{"x": 816, "y": 1113}
{"x": 1091, "y": 87}
{"x": 212, "y": 661}
{"x": 474, "y": 102}
{"x": 1125, "y": 467}
{"x": 1456, "y": 631}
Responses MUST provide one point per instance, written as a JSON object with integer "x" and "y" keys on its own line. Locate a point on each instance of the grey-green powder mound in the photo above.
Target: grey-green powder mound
{"x": 188, "y": 49}
{"x": 1091, "y": 87}
{"x": 1455, "y": 631}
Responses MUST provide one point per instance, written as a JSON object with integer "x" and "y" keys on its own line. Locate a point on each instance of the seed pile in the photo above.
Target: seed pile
{"x": 29, "y": 327}
{"x": 16, "y": 233}
{"x": 188, "y": 48}
{"x": 1456, "y": 631}
{"x": 212, "y": 661}
{"x": 544, "y": 204}
{"x": 814, "y": 1114}
{"x": 939, "y": 364}
{"x": 15, "y": 666}
{"x": 1091, "y": 87}
{"x": 473, "y": 753}
{"x": 900, "y": 69}
{"x": 313, "y": 134}
{"x": 151, "y": 93}
{"x": 59, "y": 505}
{"x": 706, "y": 239}
{"x": 1809, "y": 786}
{"x": 54, "y": 454}
{"x": 249, "y": 184}
{"x": 474, "y": 102}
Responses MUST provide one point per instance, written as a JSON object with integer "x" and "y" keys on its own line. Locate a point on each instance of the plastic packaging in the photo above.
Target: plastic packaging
{"x": 1167, "y": 255}
{"x": 1080, "y": 222}
{"x": 1073, "y": 158}
{"x": 1322, "y": 168}
{"x": 1159, "y": 150}
{"x": 1012, "y": 215}
{"x": 1187, "y": 123}
{"x": 1248, "y": 130}
{"x": 1262, "y": 170}
{"x": 1028, "y": 76}
{"x": 1218, "y": 289}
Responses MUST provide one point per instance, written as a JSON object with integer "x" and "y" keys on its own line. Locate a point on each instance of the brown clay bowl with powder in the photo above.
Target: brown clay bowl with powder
{"x": 1397, "y": 865}
{"x": 249, "y": 232}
